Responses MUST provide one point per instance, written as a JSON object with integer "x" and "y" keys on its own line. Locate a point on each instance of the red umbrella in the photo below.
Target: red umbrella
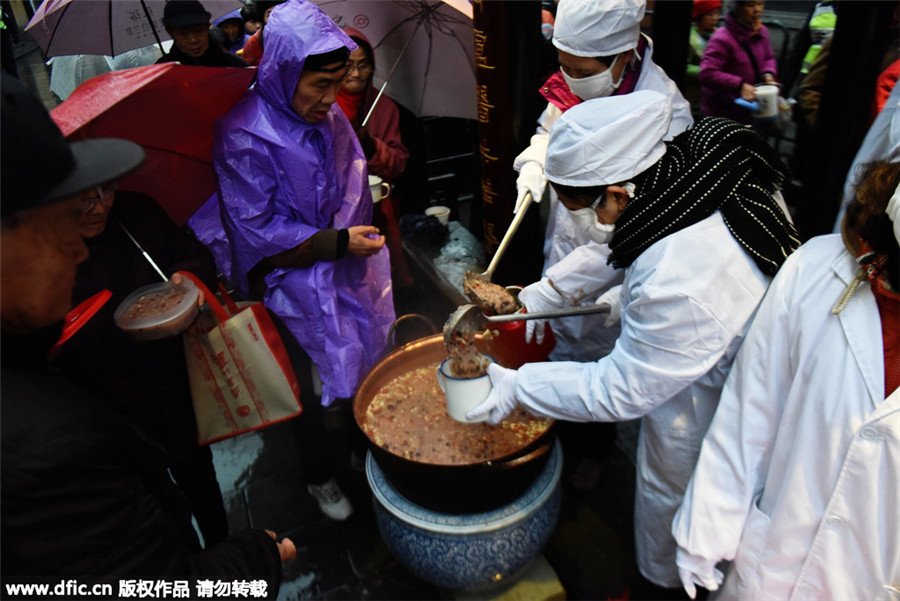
{"x": 169, "y": 109}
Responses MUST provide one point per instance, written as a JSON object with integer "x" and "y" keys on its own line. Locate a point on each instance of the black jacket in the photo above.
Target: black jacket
{"x": 85, "y": 495}
{"x": 213, "y": 57}
{"x": 146, "y": 381}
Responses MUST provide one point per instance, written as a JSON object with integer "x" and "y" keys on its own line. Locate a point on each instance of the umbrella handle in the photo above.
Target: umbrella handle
{"x": 152, "y": 26}
{"x": 391, "y": 74}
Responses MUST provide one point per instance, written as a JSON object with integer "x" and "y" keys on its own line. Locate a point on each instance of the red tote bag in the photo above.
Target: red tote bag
{"x": 240, "y": 374}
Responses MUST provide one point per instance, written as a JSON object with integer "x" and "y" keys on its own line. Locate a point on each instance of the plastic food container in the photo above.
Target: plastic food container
{"x": 158, "y": 310}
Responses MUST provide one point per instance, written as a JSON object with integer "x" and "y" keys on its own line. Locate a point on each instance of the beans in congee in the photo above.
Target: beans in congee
{"x": 493, "y": 299}
{"x": 408, "y": 417}
{"x": 466, "y": 361}
{"x": 155, "y": 303}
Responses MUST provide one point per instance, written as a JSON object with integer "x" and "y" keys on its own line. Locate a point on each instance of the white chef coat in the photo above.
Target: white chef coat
{"x": 562, "y": 237}
{"x": 686, "y": 302}
{"x": 798, "y": 480}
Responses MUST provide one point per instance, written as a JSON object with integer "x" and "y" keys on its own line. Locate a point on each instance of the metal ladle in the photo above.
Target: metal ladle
{"x": 471, "y": 276}
{"x": 470, "y": 318}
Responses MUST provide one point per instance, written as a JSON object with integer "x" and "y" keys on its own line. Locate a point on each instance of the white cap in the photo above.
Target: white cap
{"x": 893, "y": 211}
{"x": 595, "y": 28}
{"x": 608, "y": 140}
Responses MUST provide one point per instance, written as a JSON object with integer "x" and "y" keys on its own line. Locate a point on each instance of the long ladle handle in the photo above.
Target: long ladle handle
{"x": 589, "y": 310}
{"x": 506, "y": 238}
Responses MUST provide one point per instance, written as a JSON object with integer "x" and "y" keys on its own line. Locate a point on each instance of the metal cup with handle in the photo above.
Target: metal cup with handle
{"x": 379, "y": 188}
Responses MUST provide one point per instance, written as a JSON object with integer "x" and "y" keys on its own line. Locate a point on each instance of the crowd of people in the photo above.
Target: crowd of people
{"x": 763, "y": 369}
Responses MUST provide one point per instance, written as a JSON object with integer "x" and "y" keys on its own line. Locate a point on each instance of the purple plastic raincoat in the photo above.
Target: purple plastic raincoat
{"x": 281, "y": 180}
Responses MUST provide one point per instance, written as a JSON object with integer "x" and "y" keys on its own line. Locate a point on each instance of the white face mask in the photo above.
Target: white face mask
{"x": 594, "y": 86}
{"x": 586, "y": 220}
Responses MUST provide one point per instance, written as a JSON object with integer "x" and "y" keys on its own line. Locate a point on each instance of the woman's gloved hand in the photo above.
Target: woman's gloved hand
{"x": 531, "y": 179}
{"x": 695, "y": 570}
{"x": 613, "y": 298}
{"x": 502, "y": 399}
{"x": 539, "y": 296}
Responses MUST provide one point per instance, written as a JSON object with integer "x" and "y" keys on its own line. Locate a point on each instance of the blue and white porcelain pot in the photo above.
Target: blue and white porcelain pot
{"x": 471, "y": 551}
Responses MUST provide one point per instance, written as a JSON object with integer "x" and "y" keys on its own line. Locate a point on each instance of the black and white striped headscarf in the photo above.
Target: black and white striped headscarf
{"x": 716, "y": 165}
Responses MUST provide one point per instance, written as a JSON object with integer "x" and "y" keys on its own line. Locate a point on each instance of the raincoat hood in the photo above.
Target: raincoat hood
{"x": 281, "y": 181}
{"x": 296, "y": 30}
{"x": 355, "y": 33}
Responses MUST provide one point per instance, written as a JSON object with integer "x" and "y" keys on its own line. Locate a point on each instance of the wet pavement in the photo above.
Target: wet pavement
{"x": 590, "y": 550}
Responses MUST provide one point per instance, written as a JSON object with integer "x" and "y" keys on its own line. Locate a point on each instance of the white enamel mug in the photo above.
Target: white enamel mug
{"x": 767, "y": 99}
{"x": 464, "y": 394}
{"x": 379, "y": 188}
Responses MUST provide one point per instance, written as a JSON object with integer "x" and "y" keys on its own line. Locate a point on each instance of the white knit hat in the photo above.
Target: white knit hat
{"x": 608, "y": 140}
{"x": 595, "y": 28}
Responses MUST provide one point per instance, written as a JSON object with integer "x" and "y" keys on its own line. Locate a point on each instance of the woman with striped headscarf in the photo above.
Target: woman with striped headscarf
{"x": 693, "y": 230}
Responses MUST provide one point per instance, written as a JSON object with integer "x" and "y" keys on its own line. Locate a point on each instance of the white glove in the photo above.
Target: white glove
{"x": 539, "y": 296}
{"x": 502, "y": 399}
{"x": 613, "y": 298}
{"x": 693, "y": 570}
{"x": 531, "y": 179}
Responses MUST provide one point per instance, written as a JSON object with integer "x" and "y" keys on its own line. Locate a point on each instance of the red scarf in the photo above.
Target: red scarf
{"x": 350, "y": 103}
{"x": 888, "y": 303}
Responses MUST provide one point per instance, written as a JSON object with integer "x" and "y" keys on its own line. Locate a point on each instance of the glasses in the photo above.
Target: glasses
{"x": 361, "y": 67}
{"x": 102, "y": 194}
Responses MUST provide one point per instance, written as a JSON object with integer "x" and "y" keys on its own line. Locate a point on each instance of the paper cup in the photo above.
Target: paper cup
{"x": 463, "y": 394}
{"x": 379, "y": 188}
{"x": 442, "y": 213}
{"x": 767, "y": 99}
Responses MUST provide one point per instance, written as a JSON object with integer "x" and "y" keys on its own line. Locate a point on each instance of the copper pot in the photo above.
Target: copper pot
{"x": 465, "y": 488}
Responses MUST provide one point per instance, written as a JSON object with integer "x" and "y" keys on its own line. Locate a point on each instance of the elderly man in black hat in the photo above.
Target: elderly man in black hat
{"x": 187, "y": 22}
{"x": 85, "y": 501}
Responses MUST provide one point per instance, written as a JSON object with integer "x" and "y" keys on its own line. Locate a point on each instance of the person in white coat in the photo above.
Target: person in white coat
{"x": 798, "y": 479}
{"x": 882, "y": 143}
{"x": 602, "y": 53}
{"x": 698, "y": 235}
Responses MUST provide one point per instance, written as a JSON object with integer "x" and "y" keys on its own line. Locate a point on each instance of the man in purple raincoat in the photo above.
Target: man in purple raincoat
{"x": 294, "y": 211}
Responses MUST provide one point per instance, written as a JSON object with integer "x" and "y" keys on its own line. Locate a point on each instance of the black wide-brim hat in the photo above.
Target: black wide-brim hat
{"x": 39, "y": 166}
{"x": 184, "y": 13}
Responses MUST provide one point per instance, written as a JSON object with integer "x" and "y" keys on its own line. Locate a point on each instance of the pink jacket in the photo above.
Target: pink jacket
{"x": 726, "y": 66}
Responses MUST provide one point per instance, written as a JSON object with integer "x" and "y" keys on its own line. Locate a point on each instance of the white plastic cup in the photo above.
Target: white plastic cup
{"x": 464, "y": 394}
{"x": 442, "y": 213}
{"x": 379, "y": 188}
{"x": 767, "y": 99}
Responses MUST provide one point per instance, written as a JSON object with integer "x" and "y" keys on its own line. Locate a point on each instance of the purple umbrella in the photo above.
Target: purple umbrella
{"x": 107, "y": 27}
